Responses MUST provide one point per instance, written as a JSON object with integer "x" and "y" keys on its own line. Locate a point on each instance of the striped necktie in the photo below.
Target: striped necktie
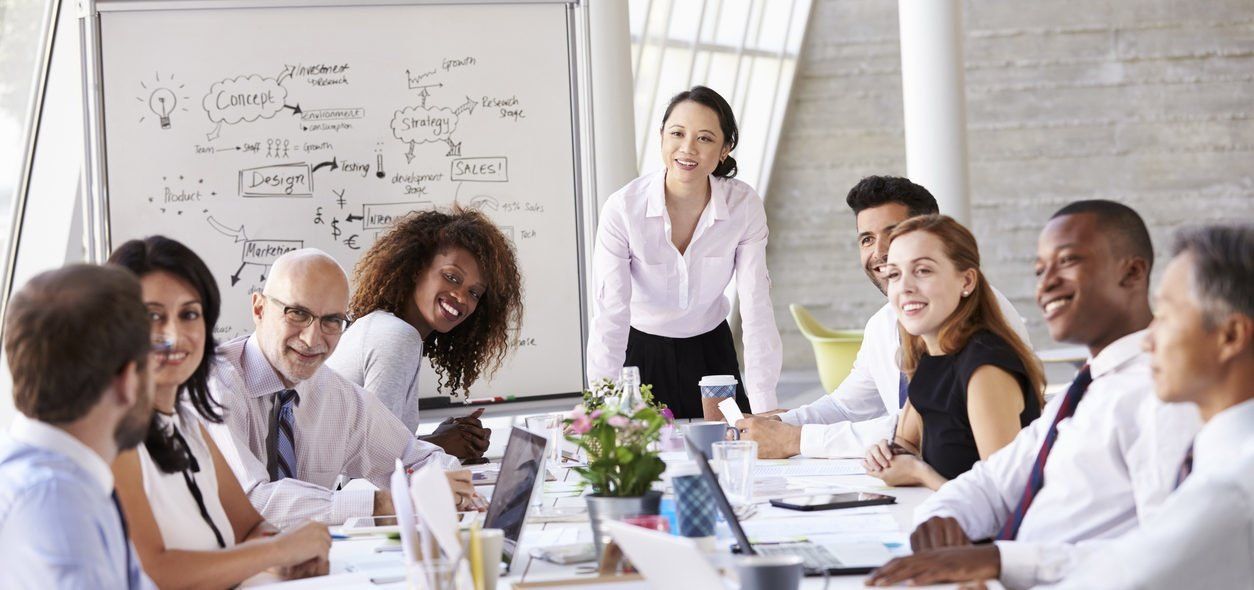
{"x": 285, "y": 448}
{"x": 1186, "y": 467}
{"x": 1036, "y": 480}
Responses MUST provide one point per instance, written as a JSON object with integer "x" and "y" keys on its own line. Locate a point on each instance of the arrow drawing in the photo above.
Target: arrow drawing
{"x": 352, "y": 218}
{"x": 235, "y": 278}
{"x": 238, "y": 234}
{"x": 332, "y": 164}
{"x": 467, "y": 107}
{"x": 295, "y": 109}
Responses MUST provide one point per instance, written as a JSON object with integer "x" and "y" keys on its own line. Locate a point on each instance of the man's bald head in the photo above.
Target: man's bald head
{"x": 307, "y": 267}
{"x": 304, "y": 286}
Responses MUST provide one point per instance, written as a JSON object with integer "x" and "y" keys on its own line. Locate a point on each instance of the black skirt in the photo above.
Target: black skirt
{"x": 674, "y": 366}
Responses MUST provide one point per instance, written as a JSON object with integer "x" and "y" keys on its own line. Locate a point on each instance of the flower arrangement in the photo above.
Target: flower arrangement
{"x": 618, "y": 441}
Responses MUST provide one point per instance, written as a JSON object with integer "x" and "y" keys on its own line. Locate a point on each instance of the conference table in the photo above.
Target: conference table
{"x": 373, "y": 562}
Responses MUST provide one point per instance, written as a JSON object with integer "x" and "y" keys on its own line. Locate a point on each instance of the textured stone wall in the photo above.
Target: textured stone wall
{"x": 1148, "y": 102}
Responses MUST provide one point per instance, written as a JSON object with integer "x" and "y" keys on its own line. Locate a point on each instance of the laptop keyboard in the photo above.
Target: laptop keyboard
{"x": 815, "y": 557}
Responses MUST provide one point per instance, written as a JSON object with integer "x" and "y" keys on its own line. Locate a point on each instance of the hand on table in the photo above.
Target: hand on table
{"x": 947, "y": 564}
{"x": 464, "y": 437}
{"x": 937, "y": 532}
{"x": 776, "y": 439}
{"x": 300, "y": 545}
{"x": 464, "y": 494}
{"x": 318, "y": 566}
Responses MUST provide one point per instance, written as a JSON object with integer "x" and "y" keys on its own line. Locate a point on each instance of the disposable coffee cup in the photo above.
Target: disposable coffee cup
{"x": 769, "y": 572}
{"x": 714, "y": 389}
{"x": 719, "y": 386}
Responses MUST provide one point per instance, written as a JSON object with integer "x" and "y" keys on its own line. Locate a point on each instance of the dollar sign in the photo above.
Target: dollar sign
{"x": 335, "y": 229}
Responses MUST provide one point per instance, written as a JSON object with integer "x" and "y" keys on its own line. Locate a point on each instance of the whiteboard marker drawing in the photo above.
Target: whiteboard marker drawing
{"x": 162, "y": 100}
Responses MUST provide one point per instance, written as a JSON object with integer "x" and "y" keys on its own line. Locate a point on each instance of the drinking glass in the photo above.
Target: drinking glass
{"x": 550, "y": 426}
{"x": 734, "y": 461}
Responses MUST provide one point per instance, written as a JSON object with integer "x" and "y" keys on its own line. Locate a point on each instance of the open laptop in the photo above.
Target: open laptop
{"x": 511, "y": 497}
{"x": 819, "y": 559}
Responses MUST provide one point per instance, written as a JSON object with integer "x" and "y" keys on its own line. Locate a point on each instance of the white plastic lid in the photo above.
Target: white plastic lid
{"x": 717, "y": 380}
{"x": 682, "y": 468}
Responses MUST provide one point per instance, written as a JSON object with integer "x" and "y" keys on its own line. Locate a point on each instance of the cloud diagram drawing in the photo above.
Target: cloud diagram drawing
{"x": 244, "y": 98}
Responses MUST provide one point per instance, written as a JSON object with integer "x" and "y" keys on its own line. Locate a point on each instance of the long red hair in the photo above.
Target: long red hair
{"x": 978, "y": 311}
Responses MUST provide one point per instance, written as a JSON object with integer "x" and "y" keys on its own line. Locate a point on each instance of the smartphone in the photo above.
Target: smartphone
{"x": 833, "y": 501}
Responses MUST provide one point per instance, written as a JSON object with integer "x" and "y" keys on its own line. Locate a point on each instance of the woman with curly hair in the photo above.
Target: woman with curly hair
{"x": 442, "y": 283}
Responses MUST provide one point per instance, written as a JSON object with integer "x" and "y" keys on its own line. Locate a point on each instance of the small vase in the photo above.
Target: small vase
{"x": 606, "y": 508}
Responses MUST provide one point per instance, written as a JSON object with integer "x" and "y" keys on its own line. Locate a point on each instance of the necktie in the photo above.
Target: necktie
{"x": 1036, "y": 480}
{"x": 285, "y": 447}
{"x": 126, "y": 535}
{"x": 1186, "y": 467}
{"x": 194, "y": 488}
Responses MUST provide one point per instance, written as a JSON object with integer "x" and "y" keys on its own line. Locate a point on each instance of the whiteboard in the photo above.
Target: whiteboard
{"x": 247, "y": 132}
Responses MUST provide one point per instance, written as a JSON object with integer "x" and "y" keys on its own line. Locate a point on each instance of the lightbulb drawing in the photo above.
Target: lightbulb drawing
{"x": 162, "y": 103}
{"x": 162, "y": 98}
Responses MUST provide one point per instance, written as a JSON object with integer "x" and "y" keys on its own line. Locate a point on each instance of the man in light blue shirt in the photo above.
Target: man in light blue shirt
{"x": 78, "y": 345}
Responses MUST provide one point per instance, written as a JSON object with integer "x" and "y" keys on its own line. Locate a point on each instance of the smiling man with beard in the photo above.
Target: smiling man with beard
{"x": 78, "y": 348}
{"x": 294, "y": 426}
{"x": 1099, "y": 459}
{"x": 863, "y": 409}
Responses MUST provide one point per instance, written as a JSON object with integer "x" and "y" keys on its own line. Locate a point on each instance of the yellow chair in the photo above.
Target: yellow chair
{"x": 834, "y": 350}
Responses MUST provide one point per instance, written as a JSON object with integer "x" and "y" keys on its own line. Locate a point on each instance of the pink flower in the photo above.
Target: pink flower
{"x": 580, "y": 423}
{"x": 618, "y": 421}
{"x": 668, "y": 414}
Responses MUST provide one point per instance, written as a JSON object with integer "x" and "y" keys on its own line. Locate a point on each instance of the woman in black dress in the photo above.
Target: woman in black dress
{"x": 973, "y": 382}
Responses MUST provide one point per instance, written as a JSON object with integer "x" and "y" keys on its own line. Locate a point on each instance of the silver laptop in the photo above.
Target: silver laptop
{"x": 819, "y": 560}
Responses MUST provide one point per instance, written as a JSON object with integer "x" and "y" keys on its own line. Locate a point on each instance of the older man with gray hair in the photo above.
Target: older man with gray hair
{"x": 294, "y": 426}
{"x": 1202, "y": 344}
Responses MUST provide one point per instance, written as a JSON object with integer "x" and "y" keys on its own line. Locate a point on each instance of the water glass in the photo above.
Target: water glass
{"x": 436, "y": 574}
{"x": 734, "y": 461}
{"x": 550, "y": 427}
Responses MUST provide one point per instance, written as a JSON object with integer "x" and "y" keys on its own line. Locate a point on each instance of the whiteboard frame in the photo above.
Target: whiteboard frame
{"x": 95, "y": 191}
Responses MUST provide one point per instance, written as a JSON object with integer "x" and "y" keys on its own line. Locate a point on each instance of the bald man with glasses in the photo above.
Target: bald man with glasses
{"x": 293, "y": 426}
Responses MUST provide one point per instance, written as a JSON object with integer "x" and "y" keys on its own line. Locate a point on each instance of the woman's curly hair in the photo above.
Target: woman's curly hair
{"x": 386, "y": 276}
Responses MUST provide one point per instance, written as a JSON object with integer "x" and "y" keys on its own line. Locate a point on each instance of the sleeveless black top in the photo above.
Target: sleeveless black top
{"x": 938, "y": 392}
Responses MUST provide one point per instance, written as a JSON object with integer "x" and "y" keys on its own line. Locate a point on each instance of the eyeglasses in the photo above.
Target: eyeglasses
{"x": 333, "y": 324}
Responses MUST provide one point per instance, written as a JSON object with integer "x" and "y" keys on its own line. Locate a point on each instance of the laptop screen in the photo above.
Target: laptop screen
{"x": 524, "y": 458}
{"x": 716, "y": 490}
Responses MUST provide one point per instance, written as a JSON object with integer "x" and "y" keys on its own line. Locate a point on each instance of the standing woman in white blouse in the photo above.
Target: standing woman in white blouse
{"x": 666, "y": 249}
{"x": 191, "y": 523}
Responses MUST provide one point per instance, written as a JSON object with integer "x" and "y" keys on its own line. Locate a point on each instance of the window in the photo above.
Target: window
{"x": 746, "y": 50}
{"x": 22, "y": 43}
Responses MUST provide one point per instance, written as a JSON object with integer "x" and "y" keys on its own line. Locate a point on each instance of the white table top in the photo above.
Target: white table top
{"x": 361, "y": 553}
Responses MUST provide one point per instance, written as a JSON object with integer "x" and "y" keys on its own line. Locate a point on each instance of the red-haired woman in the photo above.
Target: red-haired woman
{"x": 973, "y": 383}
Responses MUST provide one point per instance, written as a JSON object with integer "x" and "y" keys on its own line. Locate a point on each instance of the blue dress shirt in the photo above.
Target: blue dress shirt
{"x": 58, "y": 524}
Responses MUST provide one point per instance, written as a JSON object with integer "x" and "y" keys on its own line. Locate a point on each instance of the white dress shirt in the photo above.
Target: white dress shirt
{"x": 340, "y": 429}
{"x": 173, "y": 506}
{"x": 642, "y": 280}
{"x": 863, "y": 409}
{"x": 1203, "y": 537}
{"x": 1113, "y": 462}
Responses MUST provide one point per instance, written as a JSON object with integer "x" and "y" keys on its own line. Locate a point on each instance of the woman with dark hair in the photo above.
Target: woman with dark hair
{"x": 973, "y": 383}
{"x": 666, "y": 249}
{"x": 440, "y": 283}
{"x": 189, "y": 519}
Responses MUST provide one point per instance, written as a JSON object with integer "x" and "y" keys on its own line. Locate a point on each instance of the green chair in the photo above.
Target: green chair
{"x": 834, "y": 350}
